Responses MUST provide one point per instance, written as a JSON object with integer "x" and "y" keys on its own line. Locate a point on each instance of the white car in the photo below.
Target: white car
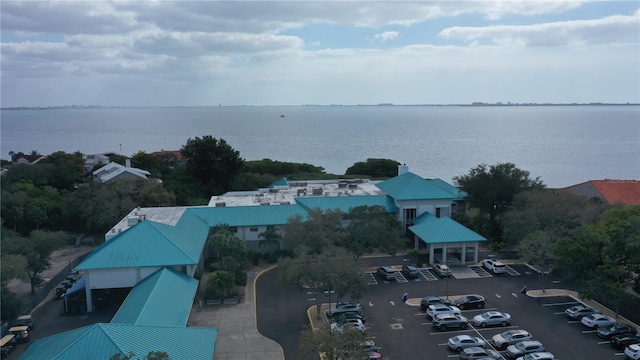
{"x": 438, "y": 309}
{"x": 495, "y": 266}
{"x": 457, "y": 343}
{"x": 595, "y": 321}
{"x": 347, "y": 324}
{"x": 633, "y": 351}
{"x": 492, "y": 318}
{"x": 442, "y": 270}
{"x": 509, "y": 337}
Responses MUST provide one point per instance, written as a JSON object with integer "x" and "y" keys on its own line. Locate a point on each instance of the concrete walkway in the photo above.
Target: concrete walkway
{"x": 238, "y": 336}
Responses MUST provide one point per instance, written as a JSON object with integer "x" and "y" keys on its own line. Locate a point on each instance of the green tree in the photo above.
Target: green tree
{"x": 376, "y": 168}
{"x": 220, "y": 285}
{"x": 491, "y": 190}
{"x": 320, "y": 230}
{"x": 151, "y": 163}
{"x": 65, "y": 170}
{"x": 371, "y": 227}
{"x": 538, "y": 249}
{"x": 280, "y": 168}
{"x": 270, "y": 238}
{"x": 152, "y": 355}
{"x": 213, "y": 162}
{"x": 333, "y": 345}
{"x": 223, "y": 243}
{"x": 10, "y": 305}
{"x": 605, "y": 258}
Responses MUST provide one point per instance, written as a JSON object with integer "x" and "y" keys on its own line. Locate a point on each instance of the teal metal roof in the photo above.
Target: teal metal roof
{"x": 101, "y": 341}
{"x": 248, "y": 215}
{"x": 424, "y": 217}
{"x": 149, "y": 244}
{"x": 409, "y": 186}
{"x": 162, "y": 299}
{"x": 450, "y": 188}
{"x": 282, "y": 182}
{"x": 346, "y": 203}
{"x": 445, "y": 230}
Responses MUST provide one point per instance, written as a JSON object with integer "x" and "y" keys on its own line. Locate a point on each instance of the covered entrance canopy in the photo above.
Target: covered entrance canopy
{"x": 444, "y": 234}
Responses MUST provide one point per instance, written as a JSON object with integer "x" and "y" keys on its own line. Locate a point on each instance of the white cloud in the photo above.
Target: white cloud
{"x": 611, "y": 29}
{"x": 386, "y": 36}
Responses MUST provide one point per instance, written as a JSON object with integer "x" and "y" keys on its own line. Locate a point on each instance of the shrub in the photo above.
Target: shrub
{"x": 241, "y": 279}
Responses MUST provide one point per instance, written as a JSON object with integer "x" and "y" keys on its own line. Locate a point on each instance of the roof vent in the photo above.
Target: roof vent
{"x": 221, "y": 204}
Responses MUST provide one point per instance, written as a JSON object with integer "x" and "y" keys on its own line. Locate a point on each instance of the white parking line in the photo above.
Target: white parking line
{"x": 589, "y": 331}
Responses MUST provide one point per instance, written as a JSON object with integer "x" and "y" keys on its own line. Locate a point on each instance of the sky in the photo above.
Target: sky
{"x": 210, "y": 53}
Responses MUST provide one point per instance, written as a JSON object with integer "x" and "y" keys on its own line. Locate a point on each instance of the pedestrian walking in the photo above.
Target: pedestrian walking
{"x": 404, "y": 297}
{"x": 199, "y": 304}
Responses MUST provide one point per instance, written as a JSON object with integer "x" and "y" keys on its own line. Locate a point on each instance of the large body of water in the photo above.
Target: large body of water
{"x": 563, "y": 145}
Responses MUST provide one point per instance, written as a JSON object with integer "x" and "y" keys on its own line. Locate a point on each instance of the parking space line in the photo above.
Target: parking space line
{"x": 589, "y": 331}
{"x": 480, "y": 271}
{"x": 427, "y": 274}
{"x": 511, "y": 271}
{"x": 371, "y": 280}
{"x": 562, "y": 303}
{"x": 400, "y": 278}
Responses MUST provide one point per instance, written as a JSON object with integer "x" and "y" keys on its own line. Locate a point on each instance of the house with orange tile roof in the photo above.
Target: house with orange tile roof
{"x": 171, "y": 158}
{"x": 611, "y": 191}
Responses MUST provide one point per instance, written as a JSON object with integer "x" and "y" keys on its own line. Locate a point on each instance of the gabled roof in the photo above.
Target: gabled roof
{"x": 346, "y": 203}
{"x": 113, "y": 170}
{"x": 626, "y": 192}
{"x": 444, "y": 230}
{"x": 162, "y": 299}
{"x": 282, "y": 182}
{"x": 424, "y": 217}
{"x": 150, "y": 244}
{"x": 29, "y": 159}
{"x": 235, "y": 216}
{"x": 450, "y": 188}
{"x": 410, "y": 186}
{"x": 101, "y": 341}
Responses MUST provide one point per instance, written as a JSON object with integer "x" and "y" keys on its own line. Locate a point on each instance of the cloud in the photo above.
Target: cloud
{"x": 386, "y": 36}
{"x": 611, "y": 29}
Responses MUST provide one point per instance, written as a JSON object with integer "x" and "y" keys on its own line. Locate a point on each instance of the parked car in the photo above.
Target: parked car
{"x": 346, "y": 324}
{"x": 438, "y": 309}
{"x": 607, "y": 332}
{"x": 479, "y": 353}
{"x": 469, "y": 302}
{"x": 595, "y": 321}
{"x": 622, "y": 341}
{"x": 538, "y": 356}
{"x": 490, "y": 318}
{"x": 579, "y": 311}
{"x": 348, "y": 315}
{"x": 370, "y": 346}
{"x": 447, "y": 321}
{"x": 509, "y": 337}
{"x": 495, "y": 266}
{"x": 388, "y": 273}
{"x": 523, "y": 348}
{"x": 7, "y": 345}
{"x": 432, "y": 300}
{"x": 457, "y": 343}
{"x": 633, "y": 351}
{"x": 410, "y": 271}
{"x": 374, "y": 355}
{"x": 340, "y": 308}
{"x": 442, "y": 270}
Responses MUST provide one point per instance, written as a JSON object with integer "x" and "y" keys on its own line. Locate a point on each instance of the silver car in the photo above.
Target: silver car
{"x": 460, "y": 342}
{"x": 442, "y": 270}
{"x": 523, "y": 348}
{"x": 479, "y": 353}
{"x": 509, "y": 337}
{"x": 492, "y": 318}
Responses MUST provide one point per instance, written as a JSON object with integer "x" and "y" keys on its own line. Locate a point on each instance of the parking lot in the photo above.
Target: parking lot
{"x": 404, "y": 332}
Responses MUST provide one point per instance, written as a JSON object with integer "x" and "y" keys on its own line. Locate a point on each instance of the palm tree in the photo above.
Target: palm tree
{"x": 271, "y": 237}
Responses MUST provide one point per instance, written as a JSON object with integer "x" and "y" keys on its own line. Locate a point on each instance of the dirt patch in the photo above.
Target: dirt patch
{"x": 60, "y": 260}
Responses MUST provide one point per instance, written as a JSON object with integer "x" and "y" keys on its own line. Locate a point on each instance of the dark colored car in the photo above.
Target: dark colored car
{"x": 410, "y": 271}
{"x": 622, "y": 341}
{"x": 607, "y": 332}
{"x": 470, "y": 302}
{"x": 433, "y": 300}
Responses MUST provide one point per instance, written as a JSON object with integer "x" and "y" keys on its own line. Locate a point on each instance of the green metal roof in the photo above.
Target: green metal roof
{"x": 450, "y": 188}
{"x": 149, "y": 244}
{"x": 162, "y": 299}
{"x": 260, "y": 215}
{"x": 282, "y": 182}
{"x": 101, "y": 341}
{"x": 409, "y": 186}
{"x": 445, "y": 230}
{"x": 346, "y": 203}
{"x": 424, "y": 217}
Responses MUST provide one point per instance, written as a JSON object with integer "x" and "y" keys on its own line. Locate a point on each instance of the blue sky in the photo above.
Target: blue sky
{"x": 150, "y": 53}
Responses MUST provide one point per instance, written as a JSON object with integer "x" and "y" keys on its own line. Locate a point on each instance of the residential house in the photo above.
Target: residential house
{"x": 610, "y": 191}
{"x": 113, "y": 171}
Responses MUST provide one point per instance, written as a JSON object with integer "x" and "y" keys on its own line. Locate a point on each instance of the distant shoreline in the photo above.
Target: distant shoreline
{"x": 475, "y": 104}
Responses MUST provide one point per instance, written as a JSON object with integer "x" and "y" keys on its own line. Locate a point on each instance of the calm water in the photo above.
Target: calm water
{"x": 563, "y": 145}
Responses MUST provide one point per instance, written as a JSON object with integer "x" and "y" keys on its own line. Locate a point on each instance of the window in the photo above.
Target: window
{"x": 234, "y": 229}
{"x": 253, "y": 229}
{"x": 438, "y": 212}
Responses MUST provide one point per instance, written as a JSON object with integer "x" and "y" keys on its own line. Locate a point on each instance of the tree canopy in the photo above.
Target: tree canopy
{"x": 376, "y": 168}
{"x": 371, "y": 227}
{"x": 491, "y": 190}
{"x": 213, "y": 162}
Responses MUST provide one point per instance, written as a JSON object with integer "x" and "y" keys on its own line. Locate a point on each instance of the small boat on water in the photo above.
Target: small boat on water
{"x": 281, "y": 115}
